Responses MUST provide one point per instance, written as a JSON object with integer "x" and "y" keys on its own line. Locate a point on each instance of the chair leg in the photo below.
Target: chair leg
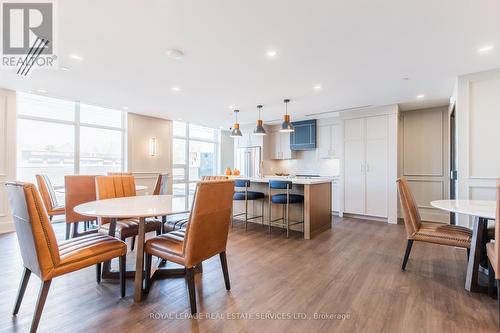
{"x": 147, "y": 270}
{"x": 123, "y": 273}
{"x": 75, "y": 229}
{"x": 491, "y": 280}
{"x": 223, "y": 262}
{"x": 287, "y": 220}
{"x": 468, "y": 254}
{"x": 50, "y": 217}
{"x": 191, "y": 289}
{"x": 407, "y": 253}
{"x": 163, "y": 221}
{"x": 133, "y": 244}
{"x": 263, "y": 201}
{"x": 22, "y": 288}
{"x": 246, "y": 214}
{"x": 98, "y": 270}
{"x": 42, "y": 297}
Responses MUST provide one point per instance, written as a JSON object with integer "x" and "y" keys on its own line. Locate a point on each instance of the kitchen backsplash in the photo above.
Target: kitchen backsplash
{"x": 306, "y": 162}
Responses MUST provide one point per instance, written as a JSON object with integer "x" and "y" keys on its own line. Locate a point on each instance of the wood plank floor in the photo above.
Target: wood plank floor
{"x": 352, "y": 269}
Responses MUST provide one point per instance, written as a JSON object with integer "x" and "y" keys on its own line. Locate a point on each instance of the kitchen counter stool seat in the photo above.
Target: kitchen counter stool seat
{"x": 246, "y": 196}
{"x": 284, "y": 199}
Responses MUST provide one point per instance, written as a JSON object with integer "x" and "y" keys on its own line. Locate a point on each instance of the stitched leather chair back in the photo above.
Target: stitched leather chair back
{"x": 47, "y": 191}
{"x": 79, "y": 190}
{"x": 161, "y": 186}
{"x": 109, "y": 187}
{"x": 206, "y": 178}
{"x": 35, "y": 235}
{"x": 410, "y": 211}
{"x": 206, "y": 232}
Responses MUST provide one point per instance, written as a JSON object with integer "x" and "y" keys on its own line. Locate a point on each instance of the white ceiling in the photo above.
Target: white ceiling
{"x": 359, "y": 51}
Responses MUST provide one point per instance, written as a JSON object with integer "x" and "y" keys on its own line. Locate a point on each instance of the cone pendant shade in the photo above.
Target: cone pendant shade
{"x": 286, "y": 125}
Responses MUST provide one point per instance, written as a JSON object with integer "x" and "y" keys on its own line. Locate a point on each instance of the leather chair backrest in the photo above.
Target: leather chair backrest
{"x": 47, "y": 191}
{"x": 109, "y": 187}
{"x": 208, "y": 227}
{"x": 410, "y": 211}
{"x": 206, "y": 178}
{"x": 497, "y": 234}
{"x": 120, "y": 174}
{"x": 35, "y": 235}
{"x": 161, "y": 186}
{"x": 79, "y": 190}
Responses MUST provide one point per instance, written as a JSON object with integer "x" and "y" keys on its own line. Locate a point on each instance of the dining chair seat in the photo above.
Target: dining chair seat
{"x": 281, "y": 198}
{"x": 130, "y": 227}
{"x": 444, "y": 234}
{"x": 250, "y": 195}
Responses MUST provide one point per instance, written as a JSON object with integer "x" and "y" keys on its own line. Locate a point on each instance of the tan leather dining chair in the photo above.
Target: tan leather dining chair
{"x": 79, "y": 190}
{"x": 205, "y": 235}
{"x": 493, "y": 252}
{"x": 120, "y": 173}
{"x": 161, "y": 185}
{"x": 430, "y": 232}
{"x": 109, "y": 187}
{"x": 207, "y": 178}
{"x": 49, "y": 196}
{"x": 41, "y": 253}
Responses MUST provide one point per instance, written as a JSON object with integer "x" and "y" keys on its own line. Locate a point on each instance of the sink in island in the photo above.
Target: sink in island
{"x": 317, "y": 208}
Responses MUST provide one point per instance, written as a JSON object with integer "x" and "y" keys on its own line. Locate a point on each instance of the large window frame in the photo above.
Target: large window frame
{"x": 77, "y": 125}
{"x": 185, "y": 166}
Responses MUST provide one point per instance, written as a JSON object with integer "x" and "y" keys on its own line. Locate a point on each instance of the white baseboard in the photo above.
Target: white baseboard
{"x": 6, "y": 227}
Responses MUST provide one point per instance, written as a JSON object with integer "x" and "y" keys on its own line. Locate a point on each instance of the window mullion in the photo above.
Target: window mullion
{"x": 77, "y": 138}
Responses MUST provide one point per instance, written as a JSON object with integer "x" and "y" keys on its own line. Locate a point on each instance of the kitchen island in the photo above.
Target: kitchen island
{"x": 317, "y": 207}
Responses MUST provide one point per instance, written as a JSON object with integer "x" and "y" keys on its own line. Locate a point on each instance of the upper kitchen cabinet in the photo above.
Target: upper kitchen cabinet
{"x": 248, "y": 139}
{"x": 329, "y": 141}
{"x": 278, "y": 145}
{"x": 304, "y": 135}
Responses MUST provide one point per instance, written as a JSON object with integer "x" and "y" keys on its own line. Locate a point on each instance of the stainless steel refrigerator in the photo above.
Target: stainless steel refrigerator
{"x": 248, "y": 161}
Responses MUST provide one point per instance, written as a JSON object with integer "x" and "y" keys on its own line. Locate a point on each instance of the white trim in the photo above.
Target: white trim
{"x": 6, "y": 227}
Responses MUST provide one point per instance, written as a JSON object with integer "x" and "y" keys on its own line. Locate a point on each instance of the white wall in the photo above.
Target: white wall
{"x": 140, "y": 129}
{"x": 226, "y": 151}
{"x": 477, "y": 138}
{"x": 7, "y": 153}
{"x": 424, "y": 158}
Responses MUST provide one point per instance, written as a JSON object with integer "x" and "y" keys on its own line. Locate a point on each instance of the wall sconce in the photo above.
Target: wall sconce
{"x": 152, "y": 146}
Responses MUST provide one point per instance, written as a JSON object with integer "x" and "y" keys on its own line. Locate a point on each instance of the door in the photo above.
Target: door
{"x": 376, "y": 166}
{"x": 354, "y": 167}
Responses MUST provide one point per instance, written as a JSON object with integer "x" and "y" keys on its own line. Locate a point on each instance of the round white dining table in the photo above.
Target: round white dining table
{"x": 482, "y": 211}
{"x": 128, "y": 207}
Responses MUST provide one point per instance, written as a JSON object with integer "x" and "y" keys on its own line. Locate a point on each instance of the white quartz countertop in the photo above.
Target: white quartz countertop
{"x": 294, "y": 180}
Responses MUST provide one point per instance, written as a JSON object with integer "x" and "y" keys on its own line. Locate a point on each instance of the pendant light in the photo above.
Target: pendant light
{"x": 286, "y": 125}
{"x": 235, "y": 133}
{"x": 259, "y": 129}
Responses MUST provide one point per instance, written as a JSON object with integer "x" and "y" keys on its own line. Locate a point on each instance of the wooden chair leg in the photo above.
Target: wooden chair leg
{"x": 75, "y": 229}
{"x": 191, "y": 289}
{"x": 98, "y": 270}
{"x": 163, "y": 221}
{"x": 468, "y": 254}
{"x": 147, "y": 272}
{"x": 123, "y": 273}
{"x": 223, "y": 262}
{"x": 132, "y": 246}
{"x": 22, "y": 288}
{"x": 407, "y": 253}
{"x": 42, "y": 297}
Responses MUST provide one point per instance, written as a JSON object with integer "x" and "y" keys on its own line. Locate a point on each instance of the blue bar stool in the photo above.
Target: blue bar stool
{"x": 284, "y": 199}
{"x": 247, "y": 195}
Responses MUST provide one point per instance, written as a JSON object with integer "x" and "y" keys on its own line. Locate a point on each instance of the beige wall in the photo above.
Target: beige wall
{"x": 477, "y": 136}
{"x": 7, "y": 153}
{"x": 424, "y": 151}
{"x": 145, "y": 167}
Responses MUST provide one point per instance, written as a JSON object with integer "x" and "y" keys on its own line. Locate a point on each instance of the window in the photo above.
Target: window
{"x": 59, "y": 137}
{"x": 194, "y": 156}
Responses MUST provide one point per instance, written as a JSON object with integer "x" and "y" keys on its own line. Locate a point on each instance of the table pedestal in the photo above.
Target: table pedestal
{"x": 477, "y": 253}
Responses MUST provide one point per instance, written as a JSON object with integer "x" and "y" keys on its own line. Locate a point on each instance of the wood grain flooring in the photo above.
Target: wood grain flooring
{"x": 350, "y": 275}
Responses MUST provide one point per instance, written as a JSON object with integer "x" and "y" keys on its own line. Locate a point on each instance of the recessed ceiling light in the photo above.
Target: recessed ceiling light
{"x": 485, "y": 49}
{"x": 317, "y": 87}
{"x": 176, "y": 89}
{"x": 75, "y": 57}
{"x": 175, "y": 54}
{"x": 65, "y": 69}
{"x": 271, "y": 53}
{"x": 420, "y": 96}
{"x": 41, "y": 91}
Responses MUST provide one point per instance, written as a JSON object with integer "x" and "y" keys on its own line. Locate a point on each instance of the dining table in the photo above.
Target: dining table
{"x": 141, "y": 207}
{"x": 482, "y": 211}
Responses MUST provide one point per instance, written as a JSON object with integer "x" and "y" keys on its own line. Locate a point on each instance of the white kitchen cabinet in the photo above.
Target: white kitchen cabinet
{"x": 279, "y": 144}
{"x": 329, "y": 141}
{"x": 336, "y": 196}
{"x": 366, "y": 166}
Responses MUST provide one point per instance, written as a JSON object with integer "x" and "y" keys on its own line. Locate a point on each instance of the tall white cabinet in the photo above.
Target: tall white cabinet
{"x": 366, "y": 167}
